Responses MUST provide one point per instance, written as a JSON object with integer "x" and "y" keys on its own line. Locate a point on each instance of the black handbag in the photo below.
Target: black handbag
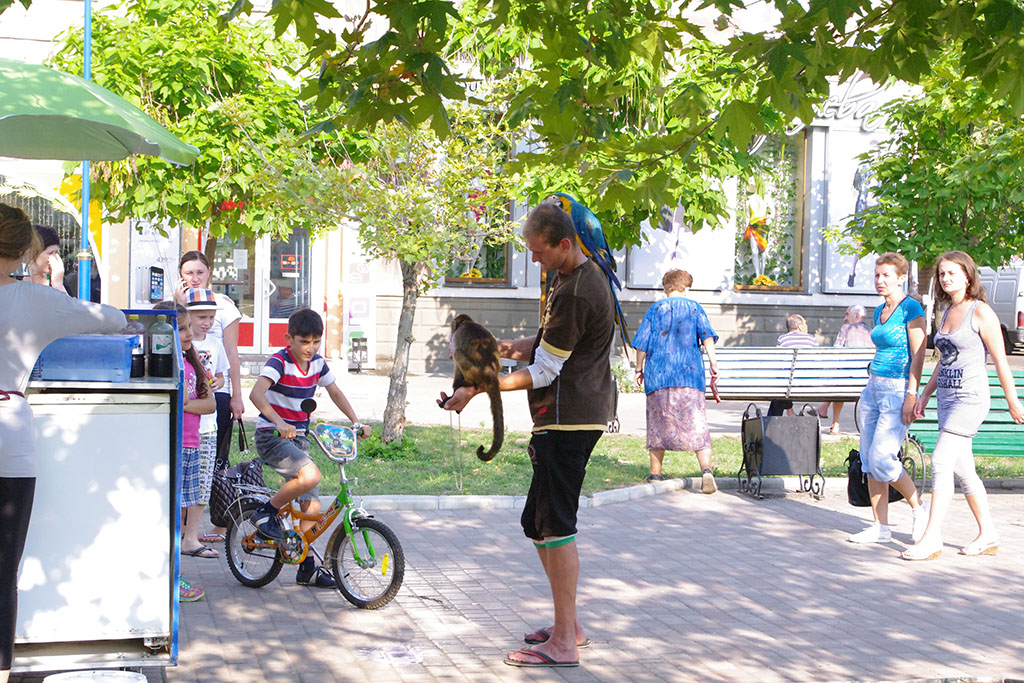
{"x": 224, "y": 492}
{"x": 857, "y": 483}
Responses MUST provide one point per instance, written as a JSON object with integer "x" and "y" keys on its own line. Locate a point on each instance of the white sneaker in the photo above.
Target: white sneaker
{"x": 920, "y": 521}
{"x": 876, "y": 533}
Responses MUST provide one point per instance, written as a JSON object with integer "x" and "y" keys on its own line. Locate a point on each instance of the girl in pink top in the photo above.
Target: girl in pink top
{"x": 197, "y": 400}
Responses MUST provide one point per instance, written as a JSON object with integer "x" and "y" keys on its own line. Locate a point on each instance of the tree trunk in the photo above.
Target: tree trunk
{"x": 394, "y": 412}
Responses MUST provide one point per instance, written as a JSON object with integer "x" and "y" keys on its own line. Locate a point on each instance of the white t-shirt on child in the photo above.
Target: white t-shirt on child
{"x": 215, "y": 359}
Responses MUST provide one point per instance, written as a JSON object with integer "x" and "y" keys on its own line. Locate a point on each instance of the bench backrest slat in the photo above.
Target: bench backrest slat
{"x": 804, "y": 373}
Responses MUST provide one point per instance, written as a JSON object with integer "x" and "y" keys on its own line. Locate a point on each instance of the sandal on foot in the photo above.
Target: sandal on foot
{"x": 976, "y": 548}
{"x": 921, "y": 553}
{"x": 707, "y": 482}
{"x": 542, "y": 660}
{"x": 203, "y": 551}
{"x": 655, "y": 477}
{"x": 541, "y": 635}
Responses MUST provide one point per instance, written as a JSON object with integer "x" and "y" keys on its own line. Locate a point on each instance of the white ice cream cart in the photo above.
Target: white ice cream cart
{"x": 99, "y": 577}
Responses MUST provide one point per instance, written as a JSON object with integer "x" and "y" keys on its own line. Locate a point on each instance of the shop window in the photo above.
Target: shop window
{"x": 487, "y": 265}
{"x": 483, "y": 262}
{"x": 769, "y": 219}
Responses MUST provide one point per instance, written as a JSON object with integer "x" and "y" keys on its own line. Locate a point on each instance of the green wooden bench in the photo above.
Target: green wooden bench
{"x": 999, "y": 435}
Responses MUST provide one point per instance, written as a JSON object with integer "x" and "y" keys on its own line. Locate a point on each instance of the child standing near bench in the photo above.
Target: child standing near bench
{"x": 969, "y": 327}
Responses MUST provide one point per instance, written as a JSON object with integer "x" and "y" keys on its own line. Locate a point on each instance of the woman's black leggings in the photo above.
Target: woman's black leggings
{"x": 15, "y": 510}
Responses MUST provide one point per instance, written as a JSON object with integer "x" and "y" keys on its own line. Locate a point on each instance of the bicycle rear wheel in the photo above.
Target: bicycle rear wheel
{"x": 253, "y": 561}
{"x": 372, "y": 581}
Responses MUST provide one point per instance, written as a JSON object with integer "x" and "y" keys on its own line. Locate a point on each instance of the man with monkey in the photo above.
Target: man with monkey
{"x": 569, "y": 389}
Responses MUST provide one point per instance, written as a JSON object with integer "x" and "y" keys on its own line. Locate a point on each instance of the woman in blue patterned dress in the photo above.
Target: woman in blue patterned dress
{"x": 670, "y": 370}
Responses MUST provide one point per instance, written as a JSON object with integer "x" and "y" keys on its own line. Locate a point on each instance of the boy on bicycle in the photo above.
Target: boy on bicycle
{"x": 289, "y": 377}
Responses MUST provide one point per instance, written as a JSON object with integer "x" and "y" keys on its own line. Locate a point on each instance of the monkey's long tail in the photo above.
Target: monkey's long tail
{"x": 498, "y": 417}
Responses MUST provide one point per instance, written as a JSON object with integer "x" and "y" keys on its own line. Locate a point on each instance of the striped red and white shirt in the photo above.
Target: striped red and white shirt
{"x": 291, "y": 386}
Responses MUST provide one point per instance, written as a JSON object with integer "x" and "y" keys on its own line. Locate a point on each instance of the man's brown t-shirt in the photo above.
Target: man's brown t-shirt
{"x": 578, "y": 325}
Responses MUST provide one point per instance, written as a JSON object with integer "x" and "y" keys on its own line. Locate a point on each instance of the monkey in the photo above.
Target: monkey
{"x": 477, "y": 363}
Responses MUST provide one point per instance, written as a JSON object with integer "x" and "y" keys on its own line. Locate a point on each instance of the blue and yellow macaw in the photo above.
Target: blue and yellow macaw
{"x": 592, "y": 242}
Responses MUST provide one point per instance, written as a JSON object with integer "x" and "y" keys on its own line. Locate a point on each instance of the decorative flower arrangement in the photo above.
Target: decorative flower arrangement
{"x": 472, "y": 272}
{"x": 764, "y": 281}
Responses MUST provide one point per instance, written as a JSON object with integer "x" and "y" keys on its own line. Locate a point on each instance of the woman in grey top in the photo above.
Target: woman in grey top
{"x": 968, "y": 328}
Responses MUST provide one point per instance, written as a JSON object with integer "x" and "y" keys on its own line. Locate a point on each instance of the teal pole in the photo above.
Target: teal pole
{"x": 84, "y": 256}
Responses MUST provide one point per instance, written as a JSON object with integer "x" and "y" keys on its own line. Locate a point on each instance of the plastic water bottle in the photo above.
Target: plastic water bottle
{"x": 161, "y": 348}
{"x": 136, "y": 328}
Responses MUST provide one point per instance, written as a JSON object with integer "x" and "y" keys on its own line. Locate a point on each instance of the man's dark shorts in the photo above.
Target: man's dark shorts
{"x": 559, "y": 465}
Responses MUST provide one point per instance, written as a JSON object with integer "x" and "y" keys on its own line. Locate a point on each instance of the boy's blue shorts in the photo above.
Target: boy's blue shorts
{"x": 285, "y": 456}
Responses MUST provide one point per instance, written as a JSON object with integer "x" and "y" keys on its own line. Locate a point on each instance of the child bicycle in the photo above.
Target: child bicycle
{"x": 363, "y": 554}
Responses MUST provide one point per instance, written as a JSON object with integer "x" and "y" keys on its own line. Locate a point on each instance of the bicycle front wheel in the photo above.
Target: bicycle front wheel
{"x": 253, "y": 561}
{"x": 369, "y": 566}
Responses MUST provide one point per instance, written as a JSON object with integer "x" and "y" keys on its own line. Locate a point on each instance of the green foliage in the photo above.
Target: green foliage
{"x": 633, "y": 104}
{"x": 430, "y": 201}
{"x": 622, "y": 374}
{"x": 217, "y": 90}
{"x": 373, "y": 448}
{"x": 7, "y": 4}
{"x": 952, "y": 177}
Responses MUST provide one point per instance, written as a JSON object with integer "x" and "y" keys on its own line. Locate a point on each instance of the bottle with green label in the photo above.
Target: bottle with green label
{"x": 161, "y": 348}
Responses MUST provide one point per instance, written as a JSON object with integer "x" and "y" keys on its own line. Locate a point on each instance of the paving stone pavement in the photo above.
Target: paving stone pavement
{"x": 675, "y": 587}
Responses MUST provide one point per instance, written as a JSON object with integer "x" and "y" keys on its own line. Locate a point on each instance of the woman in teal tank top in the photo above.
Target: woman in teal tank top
{"x": 969, "y": 328}
{"x": 887, "y": 402}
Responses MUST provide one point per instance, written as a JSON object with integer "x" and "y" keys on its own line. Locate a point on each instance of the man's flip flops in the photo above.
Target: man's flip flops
{"x": 542, "y": 660}
{"x": 203, "y": 551}
{"x": 541, "y": 635}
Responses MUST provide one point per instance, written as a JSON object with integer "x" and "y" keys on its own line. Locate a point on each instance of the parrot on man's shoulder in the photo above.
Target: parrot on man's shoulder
{"x": 593, "y": 243}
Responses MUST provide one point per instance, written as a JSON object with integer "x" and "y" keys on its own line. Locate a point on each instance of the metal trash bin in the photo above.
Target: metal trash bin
{"x": 775, "y": 445}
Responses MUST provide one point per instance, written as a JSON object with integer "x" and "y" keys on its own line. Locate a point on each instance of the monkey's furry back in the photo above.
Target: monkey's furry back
{"x": 477, "y": 363}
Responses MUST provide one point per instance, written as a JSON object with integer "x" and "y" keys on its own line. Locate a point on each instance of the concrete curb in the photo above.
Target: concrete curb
{"x": 773, "y": 485}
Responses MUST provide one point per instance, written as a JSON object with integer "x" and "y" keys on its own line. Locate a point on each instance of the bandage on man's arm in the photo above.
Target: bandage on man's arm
{"x": 547, "y": 364}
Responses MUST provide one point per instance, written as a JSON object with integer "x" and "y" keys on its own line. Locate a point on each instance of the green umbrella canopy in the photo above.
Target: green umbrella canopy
{"x": 48, "y": 114}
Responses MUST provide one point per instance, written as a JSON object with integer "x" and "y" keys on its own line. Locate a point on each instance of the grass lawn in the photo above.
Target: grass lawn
{"x": 423, "y": 463}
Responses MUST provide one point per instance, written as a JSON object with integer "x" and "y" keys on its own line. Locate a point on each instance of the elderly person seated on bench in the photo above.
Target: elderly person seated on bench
{"x": 671, "y": 372}
{"x": 854, "y": 332}
{"x": 795, "y": 336}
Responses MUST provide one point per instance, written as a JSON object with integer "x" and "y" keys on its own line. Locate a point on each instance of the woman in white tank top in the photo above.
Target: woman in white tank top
{"x": 968, "y": 328}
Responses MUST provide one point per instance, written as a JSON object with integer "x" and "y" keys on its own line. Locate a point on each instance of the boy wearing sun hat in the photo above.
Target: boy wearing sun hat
{"x": 202, "y": 307}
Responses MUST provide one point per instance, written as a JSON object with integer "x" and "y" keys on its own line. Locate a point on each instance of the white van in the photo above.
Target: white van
{"x": 1005, "y": 291}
